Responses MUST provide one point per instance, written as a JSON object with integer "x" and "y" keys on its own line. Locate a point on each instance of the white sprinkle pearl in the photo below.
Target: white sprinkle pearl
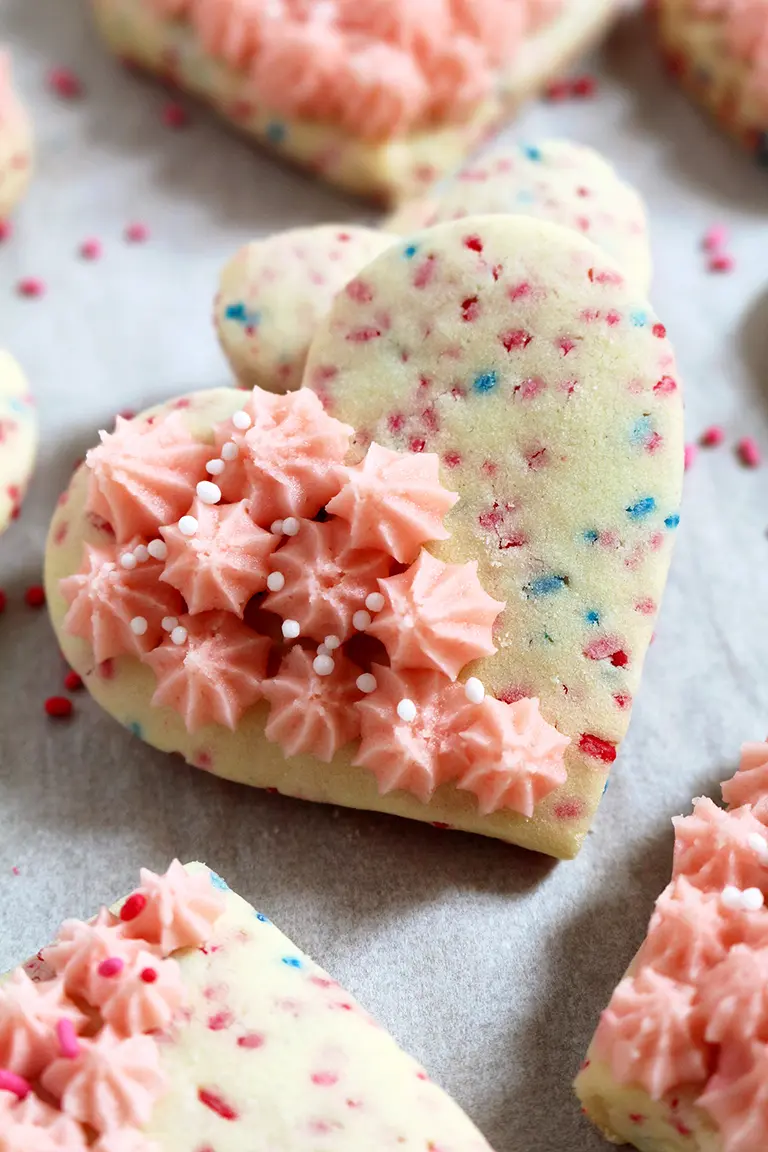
{"x": 323, "y": 665}
{"x": 731, "y": 897}
{"x": 215, "y": 467}
{"x": 322, "y": 650}
{"x": 128, "y": 560}
{"x": 758, "y": 844}
{"x": 230, "y": 451}
{"x": 752, "y": 899}
{"x": 374, "y": 602}
{"x": 361, "y": 620}
{"x": 158, "y": 549}
{"x": 275, "y": 581}
{"x": 139, "y": 625}
{"x": 187, "y": 525}
{"x": 291, "y": 526}
{"x": 276, "y": 527}
{"x": 141, "y": 552}
{"x": 291, "y": 629}
{"x": 241, "y": 420}
{"x": 208, "y": 492}
{"x": 168, "y": 623}
{"x": 179, "y": 635}
{"x": 474, "y": 690}
{"x": 406, "y": 710}
{"x": 367, "y": 683}
{"x": 332, "y": 642}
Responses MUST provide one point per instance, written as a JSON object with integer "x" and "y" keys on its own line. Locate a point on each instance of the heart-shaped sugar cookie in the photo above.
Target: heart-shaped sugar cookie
{"x": 18, "y": 438}
{"x": 432, "y": 598}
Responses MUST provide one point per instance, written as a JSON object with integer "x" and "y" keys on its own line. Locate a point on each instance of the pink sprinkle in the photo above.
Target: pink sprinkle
{"x": 175, "y": 115}
{"x": 68, "y": 1045}
{"x": 324, "y": 1079}
{"x": 749, "y": 453}
{"x": 30, "y": 286}
{"x": 15, "y": 871}
{"x": 220, "y": 1020}
{"x": 112, "y": 966}
{"x": 558, "y": 90}
{"x": 10, "y": 1082}
{"x": 65, "y": 83}
{"x": 136, "y": 233}
{"x": 722, "y": 262}
{"x": 6, "y": 230}
{"x": 712, "y": 437}
{"x": 216, "y": 1104}
{"x": 715, "y": 238}
{"x": 689, "y": 455}
{"x": 251, "y": 1041}
{"x": 90, "y": 249}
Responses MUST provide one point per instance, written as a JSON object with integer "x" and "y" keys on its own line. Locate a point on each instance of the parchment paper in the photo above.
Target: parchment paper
{"x": 490, "y": 965}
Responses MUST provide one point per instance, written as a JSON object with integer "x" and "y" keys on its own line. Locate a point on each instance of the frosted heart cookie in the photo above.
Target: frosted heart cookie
{"x": 183, "y": 1019}
{"x": 15, "y": 142}
{"x": 379, "y": 98}
{"x": 18, "y": 438}
{"x": 679, "y": 1062}
{"x": 552, "y": 180}
{"x": 719, "y": 51}
{"x": 274, "y": 292}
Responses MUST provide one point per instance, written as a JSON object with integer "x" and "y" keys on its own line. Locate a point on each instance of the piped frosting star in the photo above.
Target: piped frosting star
{"x": 29, "y": 1013}
{"x": 311, "y": 713}
{"x": 713, "y": 848}
{"x": 176, "y": 909}
{"x": 736, "y": 1098}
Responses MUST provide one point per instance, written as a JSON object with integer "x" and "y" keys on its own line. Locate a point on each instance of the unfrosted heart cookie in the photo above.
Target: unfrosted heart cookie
{"x": 379, "y": 98}
{"x": 15, "y": 142}
{"x": 18, "y": 438}
{"x": 442, "y": 587}
{"x": 275, "y": 292}
{"x": 552, "y": 180}
{"x": 719, "y": 51}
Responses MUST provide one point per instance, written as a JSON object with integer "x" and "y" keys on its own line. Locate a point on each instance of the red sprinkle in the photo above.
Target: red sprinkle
{"x": 722, "y": 262}
{"x": 712, "y": 437}
{"x": 58, "y": 707}
{"x": 584, "y": 86}
{"x": 73, "y": 681}
{"x": 133, "y": 907}
{"x": 715, "y": 238}
{"x": 600, "y": 749}
{"x": 31, "y": 287}
{"x": 689, "y": 455}
{"x": 6, "y": 230}
{"x": 216, "y": 1104}
{"x": 65, "y": 83}
{"x": 136, "y": 233}
{"x": 112, "y": 966}
{"x": 91, "y": 249}
{"x": 175, "y": 115}
{"x": 558, "y": 90}
{"x": 749, "y": 453}
{"x": 34, "y": 596}
{"x": 3, "y": 600}
{"x": 148, "y": 975}
{"x": 250, "y": 1040}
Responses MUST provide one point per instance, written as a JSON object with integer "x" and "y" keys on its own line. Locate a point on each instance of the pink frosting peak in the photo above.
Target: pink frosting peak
{"x": 750, "y": 784}
{"x": 105, "y": 597}
{"x": 688, "y": 932}
{"x": 111, "y": 1083}
{"x": 144, "y": 474}
{"x": 32, "y": 1126}
{"x": 736, "y": 1098}
{"x": 146, "y": 995}
{"x": 419, "y": 755}
{"x": 176, "y": 909}
{"x": 713, "y": 848}
{"x": 125, "y": 1140}
{"x": 515, "y": 756}
{"x": 214, "y": 674}
{"x": 393, "y": 501}
{"x": 29, "y": 1014}
{"x": 436, "y": 616}
{"x": 650, "y": 1034}
{"x": 326, "y": 581}
{"x": 231, "y": 30}
{"x": 734, "y": 997}
{"x": 300, "y": 72}
{"x": 496, "y": 24}
{"x": 459, "y": 79}
{"x": 79, "y": 950}
{"x": 419, "y": 28}
{"x": 311, "y": 713}
{"x": 223, "y": 564}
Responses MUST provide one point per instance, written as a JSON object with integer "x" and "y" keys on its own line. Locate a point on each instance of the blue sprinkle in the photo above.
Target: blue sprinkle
{"x": 292, "y": 961}
{"x": 638, "y": 319}
{"x": 240, "y": 314}
{"x": 605, "y": 786}
{"x": 545, "y": 585}
{"x": 411, "y": 251}
{"x": 485, "y": 382}
{"x": 592, "y": 617}
{"x": 642, "y": 509}
{"x": 135, "y": 729}
{"x": 17, "y": 405}
{"x": 276, "y": 132}
{"x": 591, "y": 536}
{"x": 641, "y": 430}
{"x": 264, "y": 919}
{"x": 672, "y": 521}
{"x": 217, "y": 882}
{"x": 524, "y": 197}
{"x": 531, "y": 152}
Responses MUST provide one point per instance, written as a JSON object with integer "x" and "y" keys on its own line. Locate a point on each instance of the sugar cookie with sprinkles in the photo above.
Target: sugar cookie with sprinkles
{"x": 679, "y": 1061}
{"x": 379, "y": 98}
{"x": 183, "y": 1019}
{"x": 274, "y": 292}
{"x": 554, "y": 180}
{"x": 718, "y": 49}
{"x": 429, "y": 594}
{"x": 18, "y": 438}
{"x": 15, "y": 142}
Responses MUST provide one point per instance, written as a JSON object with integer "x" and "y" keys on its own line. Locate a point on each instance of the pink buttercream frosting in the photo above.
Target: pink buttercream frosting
{"x": 78, "y": 951}
{"x": 223, "y": 564}
{"x": 146, "y": 995}
{"x": 436, "y": 616}
{"x": 737, "y": 1099}
{"x": 688, "y": 933}
{"x": 394, "y": 501}
{"x": 713, "y": 848}
{"x": 734, "y": 997}
{"x": 176, "y": 909}
{"x": 214, "y": 674}
{"x": 326, "y": 581}
{"x": 750, "y": 784}
{"x": 144, "y": 474}
{"x": 515, "y": 756}
{"x": 125, "y": 1140}
{"x": 32, "y": 1126}
{"x": 310, "y": 713}
{"x": 29, "y": 1014}
{"x": 105, "y": 597}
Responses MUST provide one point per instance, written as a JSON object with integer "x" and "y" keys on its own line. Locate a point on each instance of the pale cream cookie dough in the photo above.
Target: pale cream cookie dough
{"x": 183, "y": 1020}
{"x": 275, "y": 291}
{"x": 18, "y": 437}
{"x": 355, "y": 127}
{"x": 718, "y": 49}
{"x": 15, "y": 141}
{"x": 554, "y": 180}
